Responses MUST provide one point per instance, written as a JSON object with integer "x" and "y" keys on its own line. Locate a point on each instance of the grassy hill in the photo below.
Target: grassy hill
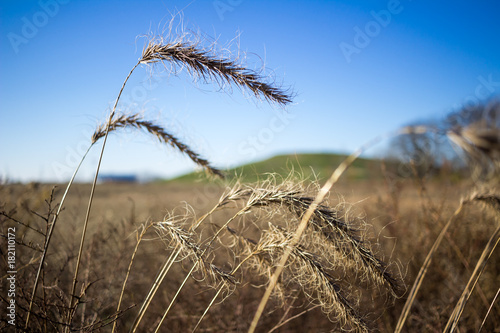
{"x": 320, "y": 164}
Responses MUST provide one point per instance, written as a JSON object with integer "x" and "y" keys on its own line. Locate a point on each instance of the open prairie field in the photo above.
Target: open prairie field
{"x": 399, "y": 220}
{"x": 312, "y": 242}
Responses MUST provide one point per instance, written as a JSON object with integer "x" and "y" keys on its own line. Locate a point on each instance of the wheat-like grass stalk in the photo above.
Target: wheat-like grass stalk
{"x": 116, "y": 123}
{"x": 306, "y": 270}
{"x": 289, "y": 195}
{"x": 337, "y": 230}
{"x": 135, "y": 121}
{"x": 328, "y": 222}
{"x": 261, "y": 196}
{"x": 211, "y": 67}
{"x": 320, "y": 196}
{"x": 232, "y": 195}
{"x": 171, "y": 231}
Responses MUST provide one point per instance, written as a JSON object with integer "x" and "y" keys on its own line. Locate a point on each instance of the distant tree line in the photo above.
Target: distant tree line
{"x": 466, "y": 140}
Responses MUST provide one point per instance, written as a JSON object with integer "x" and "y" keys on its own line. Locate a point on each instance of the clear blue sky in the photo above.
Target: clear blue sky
{"x": 358, "y": 68}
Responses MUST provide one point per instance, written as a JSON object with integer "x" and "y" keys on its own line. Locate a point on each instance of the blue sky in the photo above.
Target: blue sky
{"x": 358, "y": 68}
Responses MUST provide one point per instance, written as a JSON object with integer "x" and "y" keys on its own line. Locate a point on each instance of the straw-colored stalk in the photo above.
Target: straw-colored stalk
{"x": 140, "y": 236}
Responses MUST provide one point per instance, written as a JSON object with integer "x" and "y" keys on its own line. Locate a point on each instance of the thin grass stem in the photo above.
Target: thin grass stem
{"x": 49, "y": 236}
{"x": 89, "y": 207}
{"x": 154, "y": 288}
{"x": 452, "y": 324}
{"x": 489, "y": 310}
{"x": 175, "y": 296}
{"x": 140, "y": 236}
{"x": 423, "y": 271}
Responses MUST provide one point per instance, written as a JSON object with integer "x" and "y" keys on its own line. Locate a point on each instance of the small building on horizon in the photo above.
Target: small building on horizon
{"x": 118, "y": 178}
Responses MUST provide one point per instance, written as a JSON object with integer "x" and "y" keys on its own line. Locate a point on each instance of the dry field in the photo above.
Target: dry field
{"x": 404, "y": 217}
{"x": 390, "y": 254}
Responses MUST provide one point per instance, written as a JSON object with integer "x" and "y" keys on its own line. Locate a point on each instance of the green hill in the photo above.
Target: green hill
{"x": 322, "y": 165}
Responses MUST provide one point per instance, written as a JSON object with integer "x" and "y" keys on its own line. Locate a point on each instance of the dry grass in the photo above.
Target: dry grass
{"x": 205, "y": 63}
{"x": 121, "y": 209}
{"x": 135, "y": 121}
{"x": 278, "y": 255}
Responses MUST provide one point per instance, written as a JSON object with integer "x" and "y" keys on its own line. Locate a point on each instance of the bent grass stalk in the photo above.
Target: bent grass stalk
{"x": 325, "y": 220}
{"x": 115, "y": 124}
{"x": 175, "y": 253}
{"x": 310, "y": 211}
{"x": 241, "y": 212}
{"x": 211, "y": 68}
{"x": 297, "y": 203}
{"x": 311, "y": 275}
{"x": 160, "y": 133}
{"x": 255, "y": 198}
{"x": 327, "y": 293}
